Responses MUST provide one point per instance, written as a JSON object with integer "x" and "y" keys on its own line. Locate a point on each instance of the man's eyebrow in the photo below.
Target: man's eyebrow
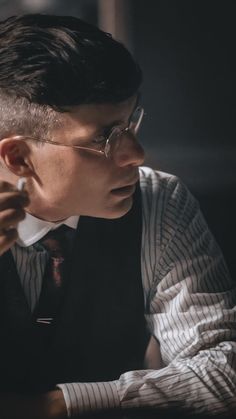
{"x": 107, "y": 128}
{"x": 119, "y": 122}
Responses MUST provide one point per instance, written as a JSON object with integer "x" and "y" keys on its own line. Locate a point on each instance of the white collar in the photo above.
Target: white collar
{"x": 32, "y": 229}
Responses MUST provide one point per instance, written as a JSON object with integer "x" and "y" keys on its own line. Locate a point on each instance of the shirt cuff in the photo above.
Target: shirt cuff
{"x": 88, "y": 397}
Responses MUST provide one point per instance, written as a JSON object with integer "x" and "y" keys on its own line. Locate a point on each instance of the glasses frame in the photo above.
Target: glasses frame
{"x": 107, "y": 140}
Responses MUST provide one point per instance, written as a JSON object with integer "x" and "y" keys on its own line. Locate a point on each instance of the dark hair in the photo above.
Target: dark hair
{"x": 54, "y": 62}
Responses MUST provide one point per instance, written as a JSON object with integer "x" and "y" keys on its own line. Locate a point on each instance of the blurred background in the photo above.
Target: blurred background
{"x": 186, "y": 49}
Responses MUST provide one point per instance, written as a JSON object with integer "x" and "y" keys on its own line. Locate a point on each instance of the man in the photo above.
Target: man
{"x": 125, "y": 331}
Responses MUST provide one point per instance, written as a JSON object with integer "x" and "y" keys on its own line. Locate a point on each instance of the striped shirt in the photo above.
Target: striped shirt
{"x": 189, "y": 308}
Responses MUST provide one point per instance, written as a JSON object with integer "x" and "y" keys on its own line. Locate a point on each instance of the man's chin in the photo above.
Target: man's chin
{"x": 120, "y": 209}
{"x": 112, "y": 211}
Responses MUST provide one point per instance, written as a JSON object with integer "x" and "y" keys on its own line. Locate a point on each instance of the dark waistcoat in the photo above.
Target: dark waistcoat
{"x": 99, "y": 332}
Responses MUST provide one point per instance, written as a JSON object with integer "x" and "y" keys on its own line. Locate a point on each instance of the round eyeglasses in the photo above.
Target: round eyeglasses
{"x": 105, "y": 145}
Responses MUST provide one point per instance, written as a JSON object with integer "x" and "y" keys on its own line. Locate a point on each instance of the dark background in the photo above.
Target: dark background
{"x": 187, "y": 53}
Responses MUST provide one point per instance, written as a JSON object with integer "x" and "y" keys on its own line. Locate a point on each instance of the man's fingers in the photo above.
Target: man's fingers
{"x": 7, "y": 240}
{"x": 10, "y": 218}
{"x": 6, "y": 186}
{"x": 14, "y": 199}
{"x": 12, "y": 203}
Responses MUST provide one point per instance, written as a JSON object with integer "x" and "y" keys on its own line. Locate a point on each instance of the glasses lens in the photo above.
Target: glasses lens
{"x": 115, "y": 136}
{"x": 113, "y": 141}
{"x": 136, "y": 119}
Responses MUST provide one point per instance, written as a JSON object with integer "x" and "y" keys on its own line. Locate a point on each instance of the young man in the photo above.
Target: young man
{"x": 144, "y": 312}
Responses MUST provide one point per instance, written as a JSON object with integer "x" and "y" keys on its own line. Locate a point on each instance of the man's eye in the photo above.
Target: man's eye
{"x": 100, "y": 139}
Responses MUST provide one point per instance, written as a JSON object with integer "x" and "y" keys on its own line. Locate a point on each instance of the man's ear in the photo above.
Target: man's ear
{"x": 15, "y": 154}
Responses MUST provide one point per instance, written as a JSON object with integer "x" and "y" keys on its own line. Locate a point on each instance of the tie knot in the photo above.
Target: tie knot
{"x": 56, "y": 241}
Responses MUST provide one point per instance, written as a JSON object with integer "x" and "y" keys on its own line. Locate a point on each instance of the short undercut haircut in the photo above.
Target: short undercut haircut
{"x": 51, "y": 63}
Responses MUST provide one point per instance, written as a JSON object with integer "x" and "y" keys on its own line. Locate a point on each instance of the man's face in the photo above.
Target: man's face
{"x": 71, "y": 181}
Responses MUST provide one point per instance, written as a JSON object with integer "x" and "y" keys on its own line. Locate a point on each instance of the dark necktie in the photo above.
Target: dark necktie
{"x": 57, "y": 243}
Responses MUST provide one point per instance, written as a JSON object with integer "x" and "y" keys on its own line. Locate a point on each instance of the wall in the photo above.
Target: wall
{"x": 186, "y": 50}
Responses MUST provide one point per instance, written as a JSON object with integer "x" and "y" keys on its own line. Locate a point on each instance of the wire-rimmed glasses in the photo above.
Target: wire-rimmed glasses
{"x": 105, "y": 145}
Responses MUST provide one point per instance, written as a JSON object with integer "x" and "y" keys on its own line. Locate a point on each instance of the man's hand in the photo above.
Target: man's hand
{"x": 49, "y": 405}
{"x": 54, "y": 405}
{"x": 12, "y": 203}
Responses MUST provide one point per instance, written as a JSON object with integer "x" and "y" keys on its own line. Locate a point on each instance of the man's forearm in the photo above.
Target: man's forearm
{"x": 49, "y": 405}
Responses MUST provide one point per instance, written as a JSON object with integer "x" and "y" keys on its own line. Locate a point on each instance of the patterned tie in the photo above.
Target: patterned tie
{"x": 56, "y": 242}
{"x": 53, "y": 243}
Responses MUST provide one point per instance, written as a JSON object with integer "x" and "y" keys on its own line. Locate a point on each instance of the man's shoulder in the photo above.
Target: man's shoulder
{"x": 163, "y": 188}
{"x": 155, "y": 180}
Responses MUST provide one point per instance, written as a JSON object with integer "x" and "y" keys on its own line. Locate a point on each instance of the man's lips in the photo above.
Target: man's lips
{"x": 126, "y": 189}
{"x": 129, "y": 182}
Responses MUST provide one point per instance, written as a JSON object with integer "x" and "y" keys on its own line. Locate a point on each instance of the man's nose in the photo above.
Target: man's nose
{"x": 129, "y": 152}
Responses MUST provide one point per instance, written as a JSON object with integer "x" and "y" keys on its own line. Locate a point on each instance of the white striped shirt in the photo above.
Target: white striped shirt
{"x": 189, "y": 308}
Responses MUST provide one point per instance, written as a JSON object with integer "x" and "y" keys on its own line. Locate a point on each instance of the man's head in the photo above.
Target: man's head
{"x": 65, "y": 80}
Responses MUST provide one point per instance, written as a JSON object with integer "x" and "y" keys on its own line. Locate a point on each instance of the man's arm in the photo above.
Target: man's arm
{"x": 190, "y": 309}
{"x": 190, "y": 303}
{"x": 12, "y": 203}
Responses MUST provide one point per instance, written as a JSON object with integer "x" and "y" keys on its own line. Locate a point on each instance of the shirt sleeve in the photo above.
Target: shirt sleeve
{"x": 88, "y": 397}
{"x": 190, "y": 309}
